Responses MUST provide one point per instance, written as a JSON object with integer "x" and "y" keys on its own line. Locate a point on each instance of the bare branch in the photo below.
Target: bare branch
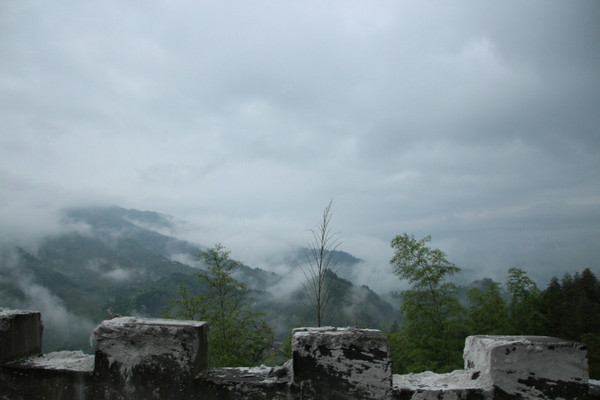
{"x": 321, "y": 264}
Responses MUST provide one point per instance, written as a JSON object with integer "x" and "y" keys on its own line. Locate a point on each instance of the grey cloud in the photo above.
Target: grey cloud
{"x": 474, "y": 122}
{"x": 58, "y": 321}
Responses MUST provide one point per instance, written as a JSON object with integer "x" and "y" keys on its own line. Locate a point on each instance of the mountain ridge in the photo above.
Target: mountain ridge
{"x": 122, "y": 261}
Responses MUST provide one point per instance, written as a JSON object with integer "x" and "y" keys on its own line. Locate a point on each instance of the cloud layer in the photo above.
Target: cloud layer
{"x": 475, "y": 122}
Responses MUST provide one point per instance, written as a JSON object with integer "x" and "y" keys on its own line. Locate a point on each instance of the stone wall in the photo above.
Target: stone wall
{"x": 20, "y": 334}
{"x": 138, "y": 358}
{"x": 342, "y": 363}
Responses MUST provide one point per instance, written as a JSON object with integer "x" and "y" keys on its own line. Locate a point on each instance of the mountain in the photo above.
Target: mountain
{"x": 118, "y": 261}
{"x": 349, "y": 305}
{"x": 342, "y": 263}
{"x": 462, "y": 292}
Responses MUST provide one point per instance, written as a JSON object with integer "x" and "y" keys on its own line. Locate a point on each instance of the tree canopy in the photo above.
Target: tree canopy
{"x": 431, "y": 337}
{"x": 238, "y": 335}
{"x": 488, "y": 312}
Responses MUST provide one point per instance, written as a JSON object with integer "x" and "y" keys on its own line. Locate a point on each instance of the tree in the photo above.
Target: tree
{"x": 526, "y": 317}
{"x": 556, "y": 310}
{"x": 572, "y": 311}
{"x": 321, "y": 265}
{"x": 433, "y": 327}
{"x": 238, "y": 336}
{"x": 488, "y": 312}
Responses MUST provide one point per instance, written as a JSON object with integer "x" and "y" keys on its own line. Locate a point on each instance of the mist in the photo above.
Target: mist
{"x": 474, "y": 123}
{"x": 61, "y": 326}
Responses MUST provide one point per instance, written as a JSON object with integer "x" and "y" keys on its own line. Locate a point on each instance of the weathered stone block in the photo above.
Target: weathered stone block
{"x": 20, "y": 334}
{"x": 535, "y": 367}
{"x": 456, "y": 385}
{"x": 150, "y": 352}
{"x": 342, "y": 363}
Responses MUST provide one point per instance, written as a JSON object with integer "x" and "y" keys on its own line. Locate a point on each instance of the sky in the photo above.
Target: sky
{"x": 477, "y": 123}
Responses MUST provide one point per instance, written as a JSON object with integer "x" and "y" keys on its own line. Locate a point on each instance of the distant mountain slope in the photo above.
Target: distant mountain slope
{"x": 343, "y": 263}
{"x": 117, "y": 217}
{"x": 349, "y": 305}
{"x": 121, "y": 261}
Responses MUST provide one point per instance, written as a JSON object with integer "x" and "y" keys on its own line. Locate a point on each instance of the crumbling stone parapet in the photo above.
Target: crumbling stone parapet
{"x": 20, "y": 334}
{"x": 506, "y": 367}
{"x": 142, "y": 349}
{"x": 342, "y": 363}
{"x": 140, "y": 359}
{"x": 534, "y": 367}
{"x": 139, "y": 354}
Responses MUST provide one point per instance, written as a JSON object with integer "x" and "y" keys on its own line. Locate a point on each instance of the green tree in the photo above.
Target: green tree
{"x": 321, "y": 266}
{"x": 434, "y": 330}
{"x": 238, "y": 336}
{"x": 488, "y": 311}
{"x": 556, "y": 310}
{"x": 526, "y": 317}
{"x": 572, "y": 311}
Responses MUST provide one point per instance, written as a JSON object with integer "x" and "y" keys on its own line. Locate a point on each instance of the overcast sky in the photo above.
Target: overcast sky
{"x": 475, "y": 122}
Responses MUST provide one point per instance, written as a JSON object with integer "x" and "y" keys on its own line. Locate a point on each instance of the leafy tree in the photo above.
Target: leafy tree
{"x": 519, "y": 285}
{"x": 526, "y": 317}
{"x": 488, "y": 312}
{"x": 238, "y": 336}
{"x": 434, "y": 330}
{"x": 321, "y": 267}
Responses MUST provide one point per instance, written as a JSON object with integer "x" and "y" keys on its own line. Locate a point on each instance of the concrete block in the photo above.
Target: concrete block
{"x": 20, "y": 334}
{"x": 534, "y": 367}
{"x": 151, "y": 352}
{"x": 341, "y": 363}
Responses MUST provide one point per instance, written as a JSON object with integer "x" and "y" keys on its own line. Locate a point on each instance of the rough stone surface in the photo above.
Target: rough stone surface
{"x": 68, "y": 361}
{"x": 461, "y": 384}
{"x": 148, "y": 353}
{"x": 140, "y": 359}
{"x": 20, "y": 334}
{"x": 594, "y": 389}
{"x": 249, "y": 383}
{"x": 342, "y": 363}
{"x": 534, "y": 367}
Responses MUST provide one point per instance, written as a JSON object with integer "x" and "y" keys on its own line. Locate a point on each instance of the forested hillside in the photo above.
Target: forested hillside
{"x": 115, "y": 261}
{"x": 432, "y": 336}
{"x": 118, "y": 261}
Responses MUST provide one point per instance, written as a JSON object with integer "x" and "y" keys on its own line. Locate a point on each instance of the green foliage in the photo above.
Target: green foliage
{"x": 286, "y": 347}
{"x": 430, "y": 340}
{"x": 592, "y": 340}
{"x": 572, "y": 311}
{"x": 526, "y": 317}
{"x": 488, "y": 311}
{"x": 520, "y": 286}
{"x": 432, "y": 336}
{"x": 421, "y": 265}
{"x": 238, "y": 336}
